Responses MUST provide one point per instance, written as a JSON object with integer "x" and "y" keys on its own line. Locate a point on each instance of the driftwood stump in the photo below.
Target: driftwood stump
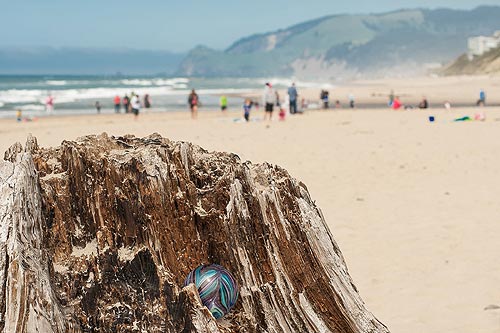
{"x": 98, "y": 235}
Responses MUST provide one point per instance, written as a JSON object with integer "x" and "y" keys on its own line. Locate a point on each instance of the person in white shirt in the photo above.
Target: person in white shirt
{"x": 269, "y": 100}
{"x": 136, "y": 105}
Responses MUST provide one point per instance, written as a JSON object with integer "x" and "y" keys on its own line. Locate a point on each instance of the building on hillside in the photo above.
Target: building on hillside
{"x": 479, "y": 45}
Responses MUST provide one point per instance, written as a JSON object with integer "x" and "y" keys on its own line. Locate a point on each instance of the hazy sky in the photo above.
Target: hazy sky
{"x": 176, "y": 25}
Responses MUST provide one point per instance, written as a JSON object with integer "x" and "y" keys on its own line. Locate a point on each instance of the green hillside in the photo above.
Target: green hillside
{"x": 488, "y": 63}
{"x": 348, "y": 43}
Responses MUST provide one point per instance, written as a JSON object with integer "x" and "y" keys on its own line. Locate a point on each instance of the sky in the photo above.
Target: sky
{"x": 174, "y": 25}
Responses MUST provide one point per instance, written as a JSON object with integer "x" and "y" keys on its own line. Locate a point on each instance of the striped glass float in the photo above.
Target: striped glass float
{"x": 217, "y": 288}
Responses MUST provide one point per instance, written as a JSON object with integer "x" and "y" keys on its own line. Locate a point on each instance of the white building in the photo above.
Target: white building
{"x": 481, "y": 44}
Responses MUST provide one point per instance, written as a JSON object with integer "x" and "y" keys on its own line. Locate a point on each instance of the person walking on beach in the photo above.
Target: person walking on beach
{"x": 126, "y": 103}
{"x": 269, "y": 100}
{"x": 482, "y": 98}
{"x": 193, "y": 102}
{"x": 116, "y": 102}
{"x": 49, "y": 104}
{"x": 147, "y": 101}
{"x": 292, "y": 95}
{"x": 391, "y": 98}
{"x": 351, "y": 101}
{"x": 325, "y": 98}
{"x": 223, "y": 103}
{"x": 136, "y": 106}
{"x": 98, "y": 106}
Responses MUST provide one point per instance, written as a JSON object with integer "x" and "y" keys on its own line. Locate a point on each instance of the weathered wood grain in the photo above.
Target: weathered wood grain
{"x": 98, "y": 235}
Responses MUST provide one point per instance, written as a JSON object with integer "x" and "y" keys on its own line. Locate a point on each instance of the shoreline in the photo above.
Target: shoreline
{"x": 461, "y": 91}
{"x": 360, "y": 107}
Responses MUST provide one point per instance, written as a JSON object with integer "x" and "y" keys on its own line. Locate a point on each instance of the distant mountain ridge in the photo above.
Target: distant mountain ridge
{"x": 85, "y": 61}
{"x": 398, "y": 42}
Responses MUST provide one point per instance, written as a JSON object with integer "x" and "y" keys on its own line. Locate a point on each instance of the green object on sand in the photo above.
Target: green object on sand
{"x": 466, "y": 118}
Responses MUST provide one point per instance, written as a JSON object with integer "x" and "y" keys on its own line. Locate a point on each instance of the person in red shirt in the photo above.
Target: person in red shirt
{"x": 396, "y": 103}
{"x": 117, "y": 101}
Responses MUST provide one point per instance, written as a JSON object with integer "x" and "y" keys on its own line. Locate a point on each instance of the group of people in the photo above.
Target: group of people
{"x": 324, "y": 97}
{"x": 396, "y": 104}
{"x": 270, "y": 99}
{"x": 131, "y": 104}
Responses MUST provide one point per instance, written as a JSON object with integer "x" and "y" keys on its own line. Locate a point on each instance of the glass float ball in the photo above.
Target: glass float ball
{"x": 217, "y": 288}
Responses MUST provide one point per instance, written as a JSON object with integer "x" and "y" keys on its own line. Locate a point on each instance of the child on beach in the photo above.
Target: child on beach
{"x": 247, "y": 106}
{"x": 223, "y": 103}
{"x": 282, "y": 114}
{"x": 49, "y": 104}
{"x": 98, "y": 106}
{"x": 193, "y": 102}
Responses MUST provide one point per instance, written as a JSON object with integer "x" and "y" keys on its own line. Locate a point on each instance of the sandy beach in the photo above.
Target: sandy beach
{"x": 460, "y": 91}
{"x": 411, "y": 203}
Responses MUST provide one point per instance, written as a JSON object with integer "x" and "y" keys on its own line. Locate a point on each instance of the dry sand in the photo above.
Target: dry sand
{"x": 413, "y": 205}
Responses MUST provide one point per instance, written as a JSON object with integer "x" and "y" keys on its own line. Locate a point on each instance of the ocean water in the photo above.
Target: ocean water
{"x": 78, "y": 94}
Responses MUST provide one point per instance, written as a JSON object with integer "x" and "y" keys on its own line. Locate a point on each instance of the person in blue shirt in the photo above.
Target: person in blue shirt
{"x": 292, "y": 94}
{"x": 325, "y": 95}
{"x": 246, "y": 109}
{"x": 482, "y": 98}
